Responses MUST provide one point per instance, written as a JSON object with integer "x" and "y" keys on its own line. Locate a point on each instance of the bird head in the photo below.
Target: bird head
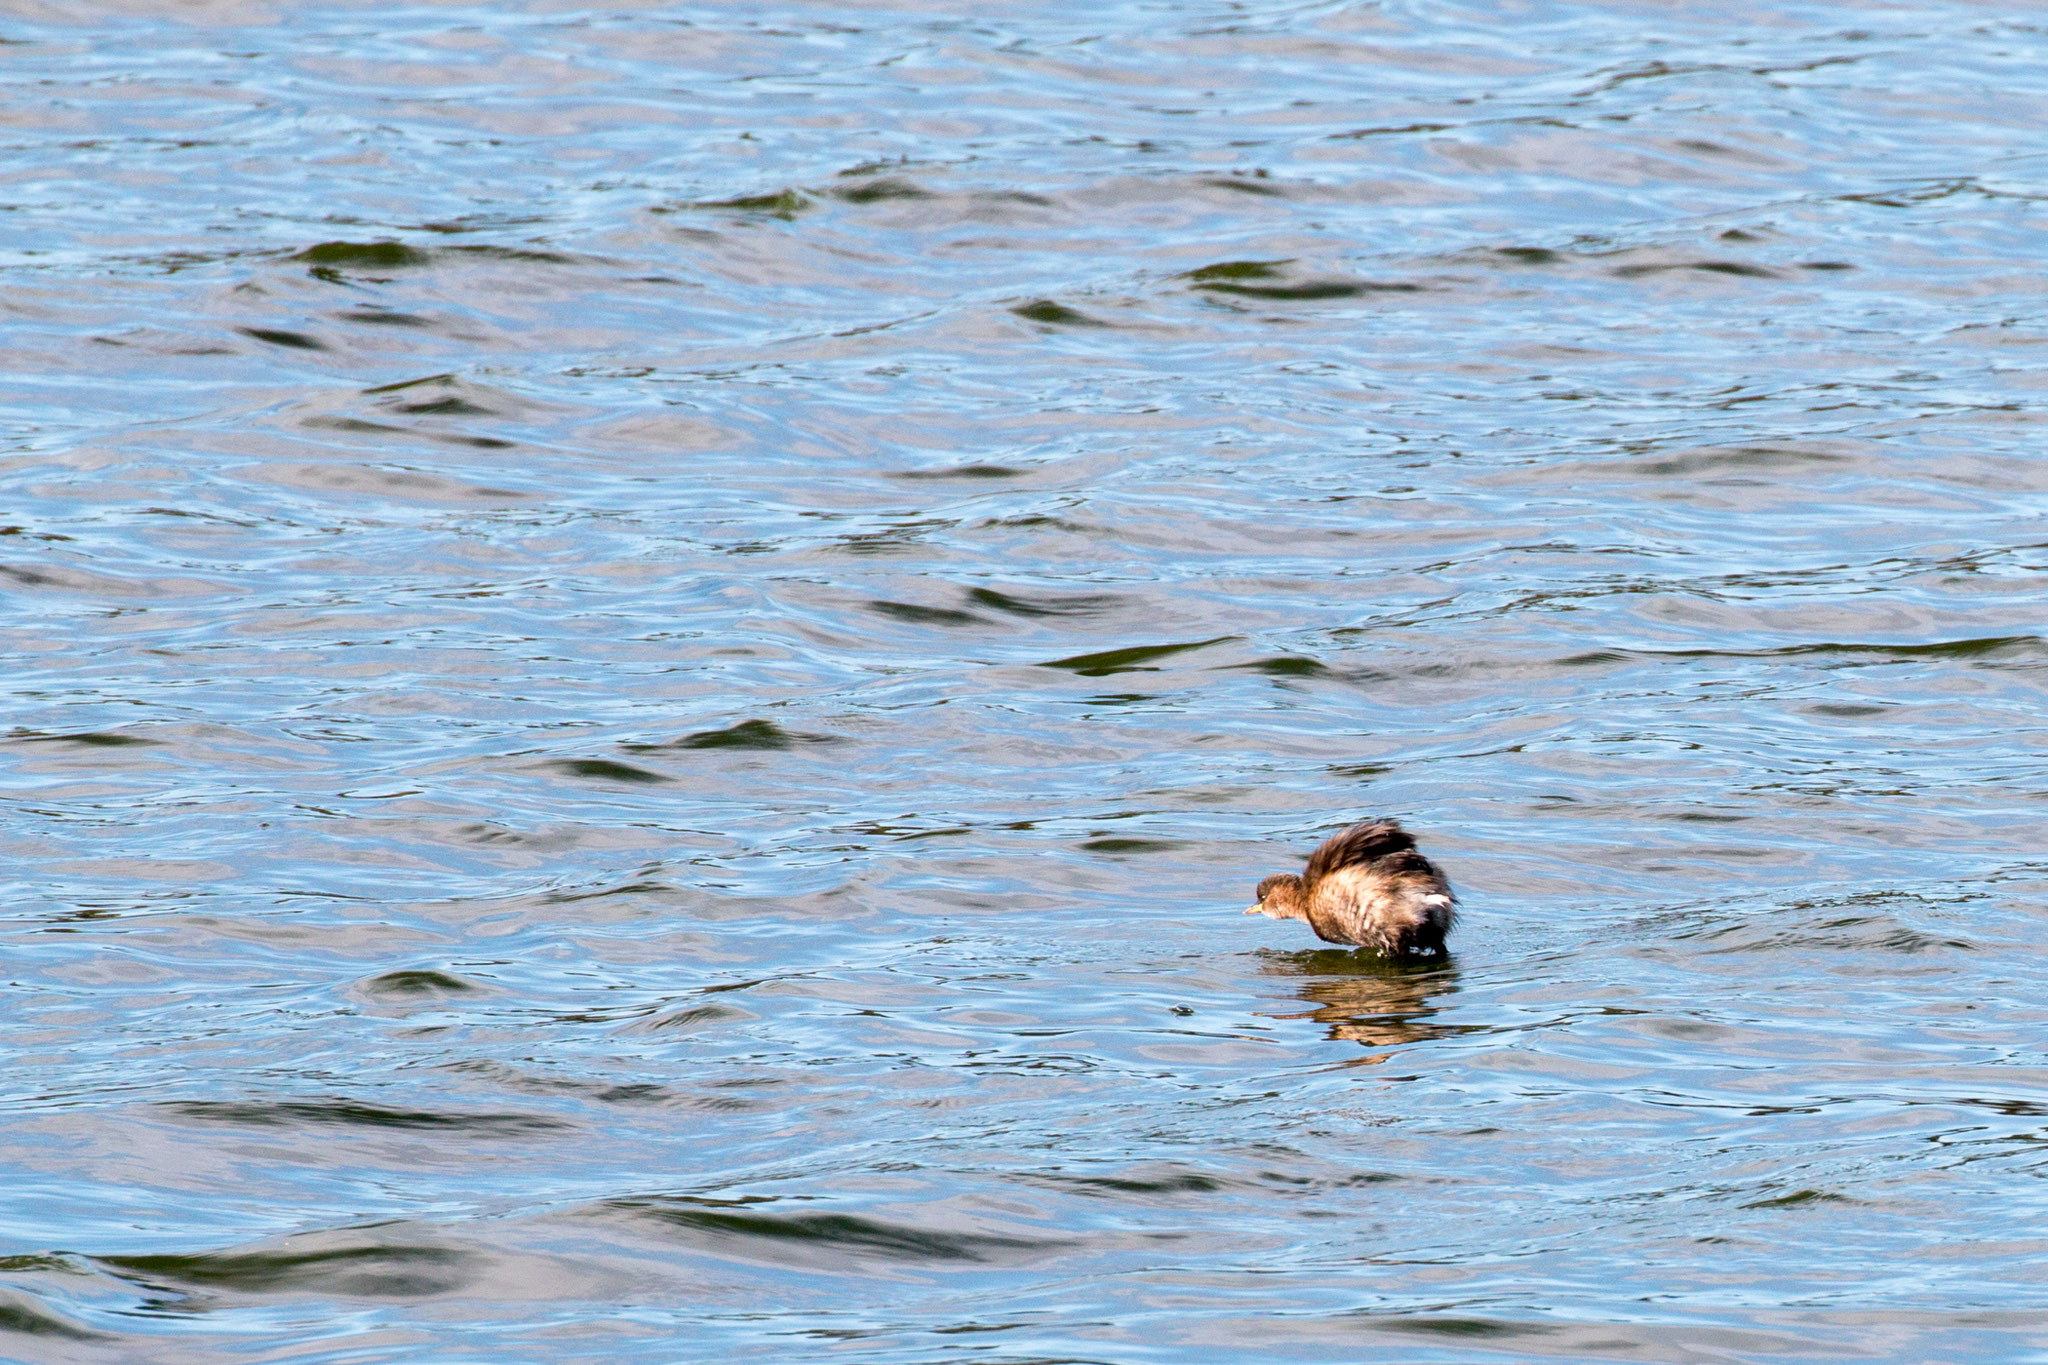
{"x": 1282, "y": 896}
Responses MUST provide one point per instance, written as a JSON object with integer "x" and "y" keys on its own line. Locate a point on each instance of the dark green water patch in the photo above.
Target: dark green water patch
{"x": 358, "y": 1272}
{"x": 1797, "y": 1199}
{"x": 928, "y": 616}
{"x": 1133, "y": 659}
{"x": 603, "y": 769}
{"x": 1470, "y": 1329}
{"x": 447, "y": 380}
{"x": 1309, "y": 291}
{"x": 692, "y": 1017}
{"x": 1286, "y": 666}
{"x": 1994, "y": 647}
{"x": 830, "y": 1239}
{"x": 1169, "y": 1180}
{"x": 378, "y": 317}
{"x": 875, "y": 191}
{"x": 35, "y": 1262}
{"x": 966, "y": 471}
{"x": 88, "y": 739}
{"x": 520, "y": 254}
{"x": 326, "y": 422}
{"x": 21, "y": 1314}
{"x": 1128, "y": 844}
{"x": 445, "y": 407}
{"x": 1056, "y": 314}
{"x": 1081, "y": 604}
{"x": 2032, "y": 1109}
{"x": 363, "y": 256}
{"x": 1525, "y": 255}
{"x": 1246, "y": 185}
{"x": 1238, "y": 271}
{"x": 418, "y": 982}
{"x": 784, "y": 204}
{"x": 277, "y": 336}
{"x": 1740, "y": 269}
{"x": 339, "y": 1113}
{"x": 746, "y": 734}
{"x": 1390, "y": 130}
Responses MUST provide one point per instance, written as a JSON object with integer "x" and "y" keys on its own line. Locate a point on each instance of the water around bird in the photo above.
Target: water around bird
{"x": 653, "y": 650}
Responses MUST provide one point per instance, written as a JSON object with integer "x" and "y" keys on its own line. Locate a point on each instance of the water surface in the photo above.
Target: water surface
{"x": 652, "y": 649}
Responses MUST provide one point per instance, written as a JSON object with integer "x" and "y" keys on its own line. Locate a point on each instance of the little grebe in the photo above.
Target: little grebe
{"x": 1369, "y": 887}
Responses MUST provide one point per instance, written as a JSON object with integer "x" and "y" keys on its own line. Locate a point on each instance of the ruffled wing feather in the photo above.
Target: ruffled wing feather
{"x": 1358, "y": 845}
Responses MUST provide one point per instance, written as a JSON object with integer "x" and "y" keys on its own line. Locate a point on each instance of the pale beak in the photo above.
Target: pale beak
{"x": 1256, "y": 909}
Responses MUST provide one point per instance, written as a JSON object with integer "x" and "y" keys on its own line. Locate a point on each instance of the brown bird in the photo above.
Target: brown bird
{"x": 1369, "y": 887}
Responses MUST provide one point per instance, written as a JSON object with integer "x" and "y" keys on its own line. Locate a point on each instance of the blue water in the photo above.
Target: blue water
{"x": 651, "y": 652}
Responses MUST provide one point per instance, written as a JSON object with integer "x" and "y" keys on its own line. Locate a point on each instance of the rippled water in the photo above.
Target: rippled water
{"x": 651, "y": 651}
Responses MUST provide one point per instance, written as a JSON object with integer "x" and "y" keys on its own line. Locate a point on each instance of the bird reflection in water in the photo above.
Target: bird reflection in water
{"x": 1366, "y": 999}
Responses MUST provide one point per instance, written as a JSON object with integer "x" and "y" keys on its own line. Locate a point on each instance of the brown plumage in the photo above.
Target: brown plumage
{"x": 1367, "y": 886}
